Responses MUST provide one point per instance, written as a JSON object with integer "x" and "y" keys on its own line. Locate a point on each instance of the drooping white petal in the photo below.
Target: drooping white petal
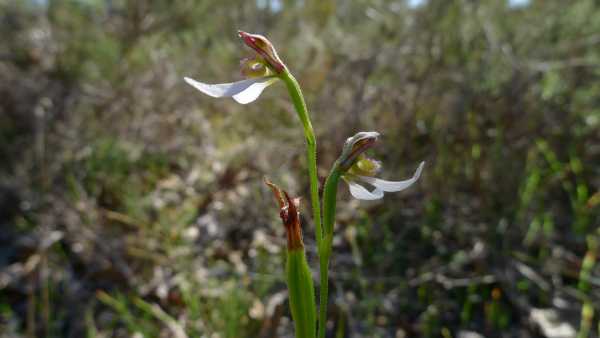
{"x": 254, "y": 90}
{"x": 391, "y": 186}
{"x": 243, "y": 92}
{"x": 361, "y": 193}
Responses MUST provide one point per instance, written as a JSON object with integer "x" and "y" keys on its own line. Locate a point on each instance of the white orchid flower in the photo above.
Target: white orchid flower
{"x": 261, "y": 72}
{"x": 360, "y": 170}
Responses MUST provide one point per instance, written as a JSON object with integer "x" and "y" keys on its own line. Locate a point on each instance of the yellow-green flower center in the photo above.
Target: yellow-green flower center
{"x": 255, "y": 67}
{"x": 365, "y": 166}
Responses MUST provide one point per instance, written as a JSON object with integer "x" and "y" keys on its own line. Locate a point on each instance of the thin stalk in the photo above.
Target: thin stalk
{"x": 329, "y": 198}
{"x": 329, "y": 206}
{"x": 311, "y": 148}
{"x": 323, "y": 295}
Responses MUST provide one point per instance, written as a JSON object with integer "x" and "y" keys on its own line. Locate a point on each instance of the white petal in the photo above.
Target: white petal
{"x": 253, "y": 91}
{"x": 391, "y": 186}
{"x": 244, "y": 91}
{"x": 361, "y": 193}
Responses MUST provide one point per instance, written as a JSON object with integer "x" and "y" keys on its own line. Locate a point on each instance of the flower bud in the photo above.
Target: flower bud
{"x": 264, "y": 48}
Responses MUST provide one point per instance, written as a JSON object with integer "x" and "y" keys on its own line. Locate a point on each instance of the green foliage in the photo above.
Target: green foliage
{"x": 301, "y": 294}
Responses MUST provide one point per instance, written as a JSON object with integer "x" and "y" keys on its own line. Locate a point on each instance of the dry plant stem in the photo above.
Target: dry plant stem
{"x": 311, "y": 148}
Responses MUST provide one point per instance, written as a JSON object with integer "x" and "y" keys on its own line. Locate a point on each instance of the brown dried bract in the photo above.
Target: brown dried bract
{"x": 290, "y": 215}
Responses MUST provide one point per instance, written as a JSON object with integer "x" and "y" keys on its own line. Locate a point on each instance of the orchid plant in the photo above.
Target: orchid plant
{"x": 353, "y": 166}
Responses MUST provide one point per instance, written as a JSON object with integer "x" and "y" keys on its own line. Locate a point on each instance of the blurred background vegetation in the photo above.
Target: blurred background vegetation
{"x": 132, "y": 205}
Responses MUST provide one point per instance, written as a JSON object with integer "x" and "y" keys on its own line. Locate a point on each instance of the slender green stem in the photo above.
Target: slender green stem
{"x": 329, "y": 206}
{"x": 311, "y": 152}
{"x": 311, "y": 148}
{"x": 329, "y": 198}
{"x": 323, "y": 294}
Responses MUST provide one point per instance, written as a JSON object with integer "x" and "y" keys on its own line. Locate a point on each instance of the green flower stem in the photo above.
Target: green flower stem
{"x": 329, "y": 206}
{"x": 311, "y": 148}
{"x": 323, "y": 295}
{"x": 329, "y": 198}
{"x": 300, "y": 105}
{"x": 301, "y": 293}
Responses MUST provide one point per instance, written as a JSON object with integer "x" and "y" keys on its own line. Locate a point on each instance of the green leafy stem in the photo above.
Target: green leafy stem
{"x": 324, "y": 229}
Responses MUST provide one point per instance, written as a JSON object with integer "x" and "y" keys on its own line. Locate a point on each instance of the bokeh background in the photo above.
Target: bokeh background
{"x": 132, "y": 205}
